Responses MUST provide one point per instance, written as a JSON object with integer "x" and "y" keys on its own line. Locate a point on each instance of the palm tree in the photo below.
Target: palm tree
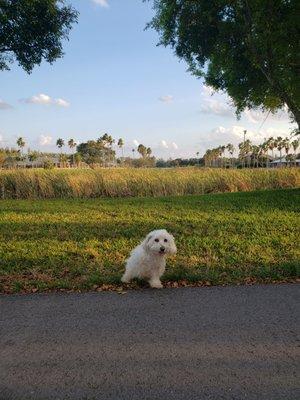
{"x": 216, "y": 154}
{"x": 107, "y": 139}
{"x": 220, "y": 152}
{"x": 104, "y": 138}
{"x": 261, "y": 154}
{"x": 272, "y": 145}
{"x": 287, "y": 145}
{"x": 213, "y": 156}
{"x": 295, "y": 145}
{"x": 32, "y": 156}
{"x": 121, "y": 145}
{"x": 230, "y": 149}
{"x": 63, "y": 158}
{"x": 242, "y": 153}
{"x": 60, "y": 143}
{"x": 77, "y": 159}
{"x": 280, "y": 146}
{"x": 255, "y": 152}
{"x": 142, "y": 150}
{"x": 245, "y": 151}
{"x": 207, "y": 158}
{"x": 111, "y": 141}
{"x": 148, "y": 151}
{"x": 72, "y": 144}
{"x": 223, "y": 149}
{"x": 133, "y": 151}
{"x": 290, "y": 158}
{"x": 21, "y": 143}
{"x": 264, "y": 149}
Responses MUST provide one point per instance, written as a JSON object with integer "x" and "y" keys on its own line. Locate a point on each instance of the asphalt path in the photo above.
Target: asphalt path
{"x": 190, "y": 343}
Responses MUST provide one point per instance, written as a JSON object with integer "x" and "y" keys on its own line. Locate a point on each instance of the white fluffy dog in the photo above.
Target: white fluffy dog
{"x": 148, "y": 260}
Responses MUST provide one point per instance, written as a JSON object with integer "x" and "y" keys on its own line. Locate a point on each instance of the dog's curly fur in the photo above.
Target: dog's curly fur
{"x": 148, "y": 260}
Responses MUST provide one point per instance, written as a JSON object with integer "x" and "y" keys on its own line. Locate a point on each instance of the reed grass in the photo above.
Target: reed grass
{"x": 122, "y": 182}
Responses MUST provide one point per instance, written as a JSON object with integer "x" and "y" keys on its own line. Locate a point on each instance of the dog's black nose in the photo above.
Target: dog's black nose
{"x": 162, "y": 248}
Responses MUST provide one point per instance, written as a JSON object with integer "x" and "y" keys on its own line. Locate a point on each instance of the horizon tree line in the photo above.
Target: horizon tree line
{"x": 251, "y": 154}
{"x": 106, "y": 139}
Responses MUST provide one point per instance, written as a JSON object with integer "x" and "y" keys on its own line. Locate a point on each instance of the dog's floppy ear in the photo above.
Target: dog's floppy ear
{"x": 173, "y": 248}
{"x": 146, "y": 241}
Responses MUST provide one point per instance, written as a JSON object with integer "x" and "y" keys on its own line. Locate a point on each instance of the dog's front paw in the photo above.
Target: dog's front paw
{"x": 125, "y": 279}
{"x": 156, "y": 284}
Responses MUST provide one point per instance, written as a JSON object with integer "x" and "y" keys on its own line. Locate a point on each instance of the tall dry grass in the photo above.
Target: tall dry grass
{"x": 118, "y": 182}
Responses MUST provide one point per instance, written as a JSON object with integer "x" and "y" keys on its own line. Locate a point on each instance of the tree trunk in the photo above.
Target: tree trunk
{"x": 280, "y": 158}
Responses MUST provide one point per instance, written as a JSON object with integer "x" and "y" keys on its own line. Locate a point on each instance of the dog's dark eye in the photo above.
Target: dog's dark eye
{"x": 166, "y": 240}
{"x": 157, "y": 240}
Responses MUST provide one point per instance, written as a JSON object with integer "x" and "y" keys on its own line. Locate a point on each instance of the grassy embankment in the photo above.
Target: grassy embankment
{"x": 81, "y": 244}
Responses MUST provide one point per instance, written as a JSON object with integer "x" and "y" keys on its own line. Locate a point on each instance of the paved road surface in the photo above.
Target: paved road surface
{"x": 193, "y": 343}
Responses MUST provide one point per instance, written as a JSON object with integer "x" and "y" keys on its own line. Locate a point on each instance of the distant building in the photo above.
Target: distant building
{"x": 40, "y": 162}
{"x": 284, "y": 163}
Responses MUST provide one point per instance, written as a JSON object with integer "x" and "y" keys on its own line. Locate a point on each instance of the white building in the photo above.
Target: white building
{"x": 284, "y": 163}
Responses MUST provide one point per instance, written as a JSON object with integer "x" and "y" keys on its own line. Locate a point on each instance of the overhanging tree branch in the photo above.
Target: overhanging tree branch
{"x": 265, "y": 65}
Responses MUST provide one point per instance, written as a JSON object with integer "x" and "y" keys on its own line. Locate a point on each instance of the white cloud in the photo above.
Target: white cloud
{"x": 216, "y": 107}
{"x": 268, "y": 132}
{"x": 4, "y": 105}
{"x": 164, "y": 144}
{"x": 39, "y": 99}
{"x": 207, "y": 91}
{"x": 135, "y": 142}
{"x": 253, "y": 116}
{"x": 259, "y": 116}
{"x": 44, "y": 99}
{"x": 235, "y": 133}
{"x": 45, "y": 140}
{"x": 220, "y": 130}
{"x": 166, "y": 99}
{"x": 61, "y": 103}
{"x": 219, "y": 103}
{"x": 174, "y": 145}
{"x": 102, "y": 3}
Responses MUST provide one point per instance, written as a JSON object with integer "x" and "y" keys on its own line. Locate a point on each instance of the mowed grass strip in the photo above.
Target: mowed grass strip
{"x": 83, "y": 244}
{"x": 143, "y": 182}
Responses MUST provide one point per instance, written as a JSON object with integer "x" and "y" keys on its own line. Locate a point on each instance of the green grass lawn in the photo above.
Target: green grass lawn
{"x": 83, "y": 244}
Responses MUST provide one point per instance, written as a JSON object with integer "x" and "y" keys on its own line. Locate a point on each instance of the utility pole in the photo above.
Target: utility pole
{"x": 245, "y": 132}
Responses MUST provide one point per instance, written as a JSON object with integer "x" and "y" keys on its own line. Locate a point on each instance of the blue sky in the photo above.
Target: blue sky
{"x": 114, "y": 79}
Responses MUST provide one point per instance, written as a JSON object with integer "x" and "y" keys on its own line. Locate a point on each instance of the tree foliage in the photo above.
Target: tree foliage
{"x": 60, "y": 143}
{"x": 33, "y": 30}
{"x": 120, "y": 143}
{"x": 97, "y": 151}
{"x": 144, "y": 151}
{"x": 250, "y": 49}
{"x": 20, "y": 142}
{"x": 72, "y": 143}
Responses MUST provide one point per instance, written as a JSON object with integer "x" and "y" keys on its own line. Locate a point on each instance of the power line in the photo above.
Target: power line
{"x": 264, "y": 121}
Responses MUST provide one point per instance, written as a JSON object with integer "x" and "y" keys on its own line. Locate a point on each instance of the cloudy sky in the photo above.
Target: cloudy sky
{"x": 114, "y": 79}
